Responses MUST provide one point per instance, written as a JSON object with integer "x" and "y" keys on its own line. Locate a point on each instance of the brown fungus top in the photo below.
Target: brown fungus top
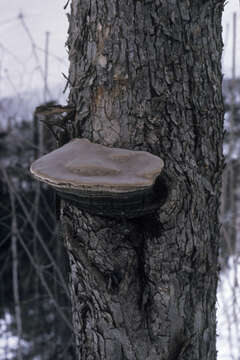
{"x": 87, "y": 167}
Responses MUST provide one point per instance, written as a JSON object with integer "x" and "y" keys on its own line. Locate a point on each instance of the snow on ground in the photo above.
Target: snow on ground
{"x": 8, "y": 341}
{"x": 228, "y": 312}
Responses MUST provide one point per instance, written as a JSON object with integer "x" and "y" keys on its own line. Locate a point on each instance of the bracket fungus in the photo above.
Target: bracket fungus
{"x": 104, "y": 181}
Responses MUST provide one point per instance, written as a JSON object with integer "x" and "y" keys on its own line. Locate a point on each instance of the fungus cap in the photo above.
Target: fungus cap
{"x": 92, "y": 174}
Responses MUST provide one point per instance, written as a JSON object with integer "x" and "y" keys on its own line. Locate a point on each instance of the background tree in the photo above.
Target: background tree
{"x": 146, "y": 75}
{"x": 34, "y": 298}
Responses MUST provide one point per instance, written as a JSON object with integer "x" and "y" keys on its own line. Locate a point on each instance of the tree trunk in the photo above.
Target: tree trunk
{"x": 146, "y": 75}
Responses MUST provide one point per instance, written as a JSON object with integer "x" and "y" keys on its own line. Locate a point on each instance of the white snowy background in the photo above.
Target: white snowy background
{"x": 23, "y": 27}
{"x": 19, "y": 69}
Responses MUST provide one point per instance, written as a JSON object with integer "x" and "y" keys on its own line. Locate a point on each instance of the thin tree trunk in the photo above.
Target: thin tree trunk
{"x": 146, "y": 75}
{"x": 14, "y": 249}
{"x": 15, "y": 277}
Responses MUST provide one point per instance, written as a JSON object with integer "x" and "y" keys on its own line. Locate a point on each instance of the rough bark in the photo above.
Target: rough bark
{"x": 146, "y": 75}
